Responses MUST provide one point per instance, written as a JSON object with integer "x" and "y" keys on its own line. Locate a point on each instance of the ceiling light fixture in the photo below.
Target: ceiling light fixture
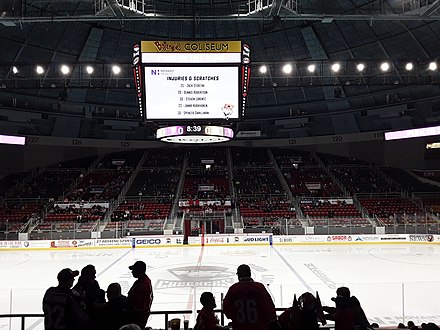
{"x": 336, "y": 67}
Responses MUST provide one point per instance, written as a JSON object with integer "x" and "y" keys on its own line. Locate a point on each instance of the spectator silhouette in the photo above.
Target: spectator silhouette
{"x": 349, "y": 301}
{"x": 343, "y": 314}
{"x": 412, "y": 326}
{"x": 130, "y": 327}
{"x": 92, "y": 295}
{"x": 430, "y": 326}
{"x": 114, "y": 312}
{"x": 304, "y": 314}
{"x": 140, "y": 295}
{"x": 248, "y": 304}
{"x": 207, "y": 320}
{"x": 61, "y": 305}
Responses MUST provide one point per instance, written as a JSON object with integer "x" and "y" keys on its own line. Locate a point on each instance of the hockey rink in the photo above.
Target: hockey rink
{"x": 394, "y": 283}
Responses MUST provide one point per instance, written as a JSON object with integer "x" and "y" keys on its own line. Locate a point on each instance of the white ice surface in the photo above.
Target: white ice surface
{"x": 394, "y": 283}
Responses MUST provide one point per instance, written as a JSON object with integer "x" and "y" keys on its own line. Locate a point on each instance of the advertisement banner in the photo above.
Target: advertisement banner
{"x": 155, "y": 241}
{"x": 299, "y": 239}
{"x": 313, "y": 185}
{"x": 36, "y": 244}
{"x": 366, "y": 238}
{"x": 339, "y": 238}
{"x": 116, "y": 242}
{"x": 205, "y": 187}
{"x": 218, "y": 240}
{"x": 257, "y": 240}
{"x": 421, "y": 238}
{"x": 10, "y": 244}
{"x": 86, "y": 205}
{"x": 393, "y": 237}
{"x": 88, "y": 243}
{"x": 197, "y": 240}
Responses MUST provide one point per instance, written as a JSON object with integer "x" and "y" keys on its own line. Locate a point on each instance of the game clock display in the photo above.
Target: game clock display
{"x": 194, "y": 134}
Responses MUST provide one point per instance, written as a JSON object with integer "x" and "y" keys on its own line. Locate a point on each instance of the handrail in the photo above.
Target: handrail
{"x": 24, "y": 316}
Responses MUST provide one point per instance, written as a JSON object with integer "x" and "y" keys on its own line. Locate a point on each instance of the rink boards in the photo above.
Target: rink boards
{"x": 217, "y": 240}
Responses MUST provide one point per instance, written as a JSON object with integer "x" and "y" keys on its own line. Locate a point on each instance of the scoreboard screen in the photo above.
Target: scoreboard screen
{"x": 191, "y": 92}
{"x": 188, "y": 80}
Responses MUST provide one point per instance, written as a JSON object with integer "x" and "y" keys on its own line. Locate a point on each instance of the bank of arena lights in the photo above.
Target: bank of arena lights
{"x": 360, "y": 67}
{"x": 316, "y": 67}
{"x": 298, "y": 72}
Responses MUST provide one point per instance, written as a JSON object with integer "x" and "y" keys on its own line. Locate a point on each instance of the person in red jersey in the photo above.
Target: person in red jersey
{"x": 248, "y": 304}
{"x": 140, "y": 295}
{"x": 207, "y": 320}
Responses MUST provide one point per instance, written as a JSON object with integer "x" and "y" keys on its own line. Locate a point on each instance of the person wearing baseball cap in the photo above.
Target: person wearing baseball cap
{"x": 138, "y": 265}
{"x": 61, "y": 306}
{"x": 140, "y": 295}
{"x": 66, "y": 275}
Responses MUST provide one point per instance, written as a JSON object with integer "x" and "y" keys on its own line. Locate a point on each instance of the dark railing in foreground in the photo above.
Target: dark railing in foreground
{"x": 24, "y": 316}
{"x": 165, "y": 313}
{"x": 21, "y": 316}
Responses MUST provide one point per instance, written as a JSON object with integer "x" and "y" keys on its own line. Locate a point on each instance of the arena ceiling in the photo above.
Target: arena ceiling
{"x": 320, "y": 32}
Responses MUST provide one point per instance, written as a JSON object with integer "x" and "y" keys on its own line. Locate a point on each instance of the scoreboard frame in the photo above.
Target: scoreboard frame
{"x": 191, "y": 54}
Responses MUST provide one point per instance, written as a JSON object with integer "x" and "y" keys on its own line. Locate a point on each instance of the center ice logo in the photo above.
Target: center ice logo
{"x": 200, "y": 276}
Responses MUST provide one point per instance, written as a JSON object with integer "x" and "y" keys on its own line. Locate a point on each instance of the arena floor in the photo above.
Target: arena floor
{"x": 395, "y": 283}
